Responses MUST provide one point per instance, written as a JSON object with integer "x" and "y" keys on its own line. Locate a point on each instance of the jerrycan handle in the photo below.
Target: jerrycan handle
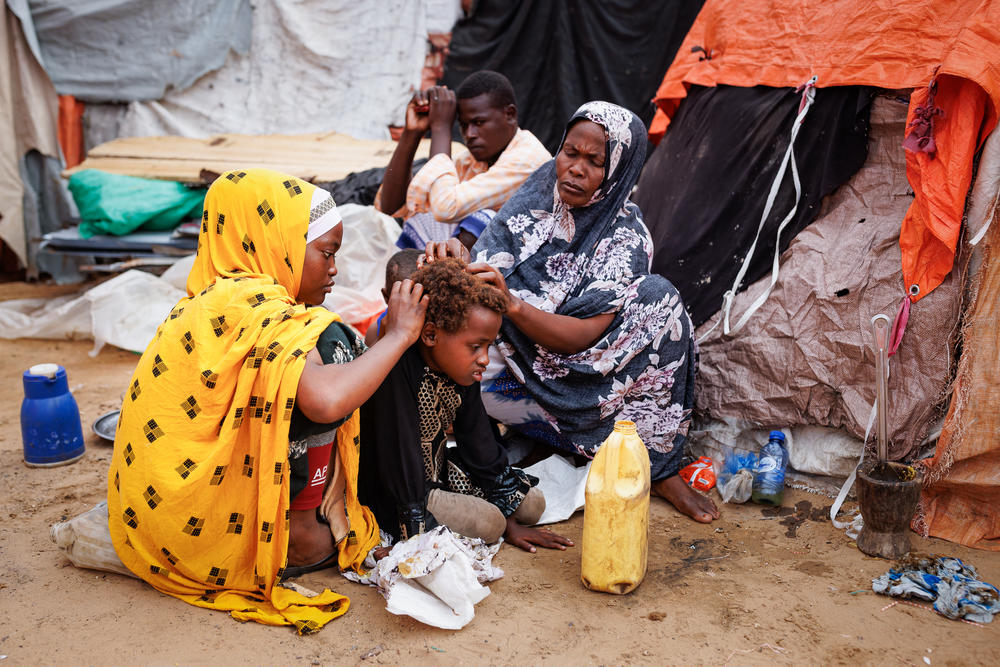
{"x": 614, "y": 447}
{"x": 612, "y": 470}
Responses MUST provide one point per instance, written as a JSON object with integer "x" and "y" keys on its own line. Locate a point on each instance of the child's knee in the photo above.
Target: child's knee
{"x": 493, "y": 525}
{"x": 467, "y": 515}
{"x": 531, "y": 508}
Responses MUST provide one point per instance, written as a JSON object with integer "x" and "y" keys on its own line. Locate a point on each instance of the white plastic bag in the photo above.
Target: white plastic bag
{"x": 734, "y": 475}
{"x": 86, "y": 541}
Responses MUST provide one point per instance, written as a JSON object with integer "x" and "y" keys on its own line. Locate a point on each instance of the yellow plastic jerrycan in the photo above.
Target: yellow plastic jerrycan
{"x": 616, "y": 514}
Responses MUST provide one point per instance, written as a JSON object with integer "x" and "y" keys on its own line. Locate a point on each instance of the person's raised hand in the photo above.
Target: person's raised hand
{"x": 441, "y": 249}
{"x": 405, "y": 315}
{"x": 443, "y": 108}
{"x": 418, "y": 118}
{"x": 528, "y": 537}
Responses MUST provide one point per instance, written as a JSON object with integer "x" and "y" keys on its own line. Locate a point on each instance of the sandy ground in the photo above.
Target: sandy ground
{"x": 752, "y": 588}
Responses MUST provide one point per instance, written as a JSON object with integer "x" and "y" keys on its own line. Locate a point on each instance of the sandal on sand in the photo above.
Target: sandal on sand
{"x": 298, "y": 570}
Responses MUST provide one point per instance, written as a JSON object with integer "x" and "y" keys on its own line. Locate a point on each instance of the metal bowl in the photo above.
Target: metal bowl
{"x": 105, "y": 425}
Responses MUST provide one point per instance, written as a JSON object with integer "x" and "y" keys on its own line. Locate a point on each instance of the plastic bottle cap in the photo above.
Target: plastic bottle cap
{"x": 776, "y": 435}
{"x": 625, "y": 426}
{"x": 46, "y": 370}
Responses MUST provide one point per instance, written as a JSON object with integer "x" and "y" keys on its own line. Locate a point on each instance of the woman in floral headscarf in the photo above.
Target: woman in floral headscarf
{"x": 591, "y": 336}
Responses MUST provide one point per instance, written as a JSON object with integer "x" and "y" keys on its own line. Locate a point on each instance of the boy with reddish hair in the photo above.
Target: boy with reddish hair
{"x": 409, "y": 475}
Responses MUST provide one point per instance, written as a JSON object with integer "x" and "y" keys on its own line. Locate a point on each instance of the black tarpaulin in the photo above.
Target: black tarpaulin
{"x": 561, "y": 53}
{"x": 704, "y": 188}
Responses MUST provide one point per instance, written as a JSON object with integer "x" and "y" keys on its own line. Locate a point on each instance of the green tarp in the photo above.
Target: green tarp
{"x": 117, "y": 205}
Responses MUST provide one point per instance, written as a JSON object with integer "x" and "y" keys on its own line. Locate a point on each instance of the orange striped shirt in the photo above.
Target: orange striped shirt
{"x": 453, "y": 189}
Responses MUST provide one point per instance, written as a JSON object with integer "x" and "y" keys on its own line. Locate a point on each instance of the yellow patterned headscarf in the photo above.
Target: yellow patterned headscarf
{"x": 198, "y": 490}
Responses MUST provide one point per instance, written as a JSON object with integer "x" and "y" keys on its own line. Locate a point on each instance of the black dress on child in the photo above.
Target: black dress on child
{"x": 405, "y": 453}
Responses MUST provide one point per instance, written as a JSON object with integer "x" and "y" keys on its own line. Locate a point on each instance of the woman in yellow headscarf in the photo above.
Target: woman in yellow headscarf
{"x": 238, "y": 392}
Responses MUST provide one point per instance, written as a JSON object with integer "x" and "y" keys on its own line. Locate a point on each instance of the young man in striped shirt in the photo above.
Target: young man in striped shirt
{"x": 457, "y": 197}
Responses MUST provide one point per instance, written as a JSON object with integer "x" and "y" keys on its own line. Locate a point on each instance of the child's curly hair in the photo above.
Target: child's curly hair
{"x": 451, "y": 292}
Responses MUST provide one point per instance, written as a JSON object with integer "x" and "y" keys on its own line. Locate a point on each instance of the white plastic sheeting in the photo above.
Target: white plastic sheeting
{"x": 369, "y": 242}
{"x": 312, "y": 66}
{"x": 126, "y": 310}
{"x": 131, "y": 50}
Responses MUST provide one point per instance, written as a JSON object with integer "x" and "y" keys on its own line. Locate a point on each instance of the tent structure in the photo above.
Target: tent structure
{"x": 559, "y": 54}
{"x": 28, "y": 139}
{"x": 946, "y": 52}
{"x": 276, "y": 67}
{"x": 793, "y": 345}
{"x": 837, "y": 139}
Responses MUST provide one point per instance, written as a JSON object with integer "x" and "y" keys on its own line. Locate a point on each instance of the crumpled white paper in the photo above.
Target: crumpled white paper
{"x": 563, "y": 485}
{"x": 435, "y": 577}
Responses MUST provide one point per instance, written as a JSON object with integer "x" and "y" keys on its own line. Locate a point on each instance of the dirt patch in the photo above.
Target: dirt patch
{"x": 718, "y": 592}
{"x": 793, "y": 517}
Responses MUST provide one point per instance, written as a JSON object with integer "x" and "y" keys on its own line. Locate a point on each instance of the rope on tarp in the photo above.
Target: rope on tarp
{"x": 808, "y": 96}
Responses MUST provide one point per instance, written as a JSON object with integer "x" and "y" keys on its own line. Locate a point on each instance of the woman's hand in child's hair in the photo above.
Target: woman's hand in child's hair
{"x": 527, "y": 537}
{"x": 492, "y": 276}
{"x": 405, "y": 316}
{"x": 441, "y": 249}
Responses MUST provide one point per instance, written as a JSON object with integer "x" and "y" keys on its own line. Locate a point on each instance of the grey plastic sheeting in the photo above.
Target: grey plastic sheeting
{"x": 127, "y": 50}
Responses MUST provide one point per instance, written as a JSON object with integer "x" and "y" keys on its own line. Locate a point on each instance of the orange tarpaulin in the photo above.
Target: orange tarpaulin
{"x": 889, "y": 45}
{"x": 71, "y": 129}
{"x": 962, "y": 481}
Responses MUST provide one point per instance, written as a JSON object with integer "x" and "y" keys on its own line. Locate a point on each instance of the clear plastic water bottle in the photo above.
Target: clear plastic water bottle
{"x": 769, "y": 477}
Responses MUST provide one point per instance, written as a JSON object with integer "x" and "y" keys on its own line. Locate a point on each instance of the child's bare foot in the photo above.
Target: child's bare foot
{"x": 686, "y": 500}
{"x": 526, "y": 537}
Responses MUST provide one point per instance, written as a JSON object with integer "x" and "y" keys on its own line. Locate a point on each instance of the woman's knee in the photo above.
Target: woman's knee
{"x": 531, "y": 508}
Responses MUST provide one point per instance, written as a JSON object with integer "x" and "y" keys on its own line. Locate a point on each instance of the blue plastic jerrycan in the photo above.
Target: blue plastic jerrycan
{"x": 50, "y": 419}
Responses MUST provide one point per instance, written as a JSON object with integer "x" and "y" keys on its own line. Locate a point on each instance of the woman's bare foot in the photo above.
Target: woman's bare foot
{"x": 309, "y": 541}
{"x": 687, "y": 501}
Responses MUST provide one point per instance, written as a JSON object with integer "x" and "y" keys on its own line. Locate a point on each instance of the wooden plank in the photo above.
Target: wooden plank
{"x": 189, "y": 171}
{"x": 241, "y": 146}
{"x": 316, "y": 157}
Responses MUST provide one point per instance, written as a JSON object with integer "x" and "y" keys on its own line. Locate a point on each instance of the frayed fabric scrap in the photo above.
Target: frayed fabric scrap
{"x": 953, "y": 586}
